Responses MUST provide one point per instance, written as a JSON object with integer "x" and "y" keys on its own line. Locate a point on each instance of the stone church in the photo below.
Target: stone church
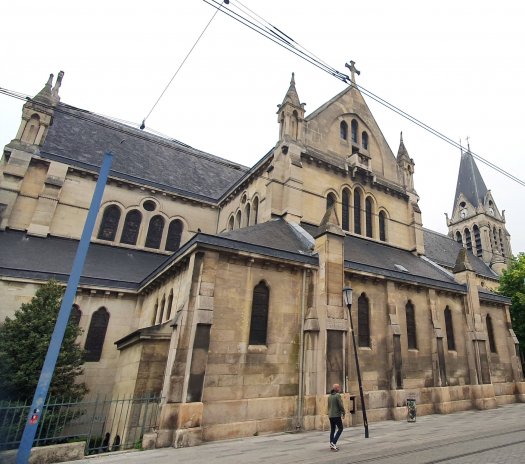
{"x": 219, "y": 286}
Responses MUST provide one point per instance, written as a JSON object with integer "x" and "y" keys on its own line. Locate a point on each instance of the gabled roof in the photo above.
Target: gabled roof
{"x": 79, "y": 138}
{"x": 444, "y": 251}
{"x": 28, "y": 257}
{"x": 470, "y": 183}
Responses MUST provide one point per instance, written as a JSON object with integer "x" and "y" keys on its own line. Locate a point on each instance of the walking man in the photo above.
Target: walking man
{"x": 336, "y": 412}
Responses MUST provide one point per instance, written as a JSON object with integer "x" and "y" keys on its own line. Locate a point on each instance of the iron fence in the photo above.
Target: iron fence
{"x": 105, "y": 424}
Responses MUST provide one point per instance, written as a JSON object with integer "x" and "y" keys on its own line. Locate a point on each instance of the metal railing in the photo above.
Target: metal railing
{"x": 105, "y": 424}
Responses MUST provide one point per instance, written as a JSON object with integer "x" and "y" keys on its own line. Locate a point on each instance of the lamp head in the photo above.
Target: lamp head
{"x": 347, "y": 296}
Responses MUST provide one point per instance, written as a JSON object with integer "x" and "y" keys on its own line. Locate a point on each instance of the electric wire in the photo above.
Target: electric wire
{"x": 143, "y": 125}
{"x": 267, "y": 30}
{"x": 143, "y": 136}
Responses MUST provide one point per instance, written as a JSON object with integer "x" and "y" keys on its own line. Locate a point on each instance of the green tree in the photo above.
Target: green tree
{"x": 24, "y": 341}
{"x": 512, "y": 284}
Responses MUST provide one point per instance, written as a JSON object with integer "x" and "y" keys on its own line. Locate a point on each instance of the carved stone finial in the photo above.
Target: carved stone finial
{"x": 58, "y": 83}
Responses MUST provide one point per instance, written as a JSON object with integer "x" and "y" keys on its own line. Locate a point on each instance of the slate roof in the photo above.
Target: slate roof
{"x": 30, "y": 257}
{"x": 366, "y": 255}
{"x": 276, "y": 239}
{"x": 444, "y": 251}
{"x": 79, "y": 138}
{"x": 369, "y": 256}
{"x": 277, "y": 234}
{"x": 470, "y": 183}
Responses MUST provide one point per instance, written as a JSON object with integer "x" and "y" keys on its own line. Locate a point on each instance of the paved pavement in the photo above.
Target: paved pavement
{"x": 496, "y": 436}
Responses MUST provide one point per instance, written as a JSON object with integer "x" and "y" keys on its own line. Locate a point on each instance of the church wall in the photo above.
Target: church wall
{"x": 179, "y": 285}
{"x": 500, "y": 361}
{"x": 235, "y": 369}
{"x": 456, "y": 362}
{"x": 318, "y": 182}
{"x": 256, "y": 189}
{"x": 13, "y": 293}
{"x": 100, "y": 375}
{"x": 30, "y": 188}
{"x": 323, "y": 133}
{"x": 373, "y": 360}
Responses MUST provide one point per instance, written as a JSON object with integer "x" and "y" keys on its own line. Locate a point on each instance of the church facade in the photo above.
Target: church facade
{"x": 219, "y": 286}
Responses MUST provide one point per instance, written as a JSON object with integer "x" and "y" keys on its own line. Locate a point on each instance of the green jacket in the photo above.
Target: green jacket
{"x": 335, "y": 405}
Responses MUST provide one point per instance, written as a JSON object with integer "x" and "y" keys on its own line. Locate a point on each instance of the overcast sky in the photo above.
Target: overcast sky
{"x": 459, "y": 66}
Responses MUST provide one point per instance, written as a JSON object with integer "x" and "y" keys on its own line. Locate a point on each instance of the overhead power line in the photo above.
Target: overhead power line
{"x": 256, "y": 23}
{"x": 143, "y": 125}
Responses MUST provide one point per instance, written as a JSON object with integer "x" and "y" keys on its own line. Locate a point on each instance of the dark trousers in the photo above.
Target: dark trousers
{"x": 335, "y": 422}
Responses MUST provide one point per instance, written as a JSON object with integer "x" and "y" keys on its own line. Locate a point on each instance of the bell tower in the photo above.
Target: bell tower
{"x": 476, "y": 221}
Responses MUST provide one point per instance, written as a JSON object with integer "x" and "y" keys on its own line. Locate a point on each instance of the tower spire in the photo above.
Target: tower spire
{"x": 291, "y": 114}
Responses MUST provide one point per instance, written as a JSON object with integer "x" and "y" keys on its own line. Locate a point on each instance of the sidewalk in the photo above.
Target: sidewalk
{"x": 493, "y": 436}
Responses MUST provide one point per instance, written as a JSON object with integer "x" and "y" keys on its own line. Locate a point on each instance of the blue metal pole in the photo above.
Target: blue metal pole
{"x": 46, "y": 375}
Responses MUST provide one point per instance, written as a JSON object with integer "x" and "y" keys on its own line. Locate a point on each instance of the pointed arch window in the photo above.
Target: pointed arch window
{"x": 161, "y": 313}
{"x": 259, "y": 317}
{"x": 459, "y": 238}
{"x": 330, "y": 200}
{"x": 170, "y": 304}
{"x": 96, "y": 335}
{"x": 368, "y": 217}
{"x": 109, "y": 224}
{"x": 75, "y": 316}
{"x": 490, "y": 332}
{"x": 231, "y": 223}
{"x": 247, "y": 213}
{"x": 364, "y": 140}
{"x": 255, "y": 210}
{"x": 343, "y": 130}
{"x": 295, "y": 125}
{"x": 238, "y": 218}
{"x": 477, "y": 241}
{"x": 495, "y": 237}
{"x": 155, "y": 312}
{"x": 451, "y": 342}
{"x": 501, "y": 243}
{"x": 130, "y": 231}
{"x": 357, "y": 212}
{"x": 354, "y": 130}
{"x": 345, "y": 213}
{"x": 363, "y": 321}
{"x": 411, "y": 326}
{"x": 155, "y": 229}
{"x": 174, "y": 235}
{"x": 468, "y": 239}
{"x": 382, "y": 226}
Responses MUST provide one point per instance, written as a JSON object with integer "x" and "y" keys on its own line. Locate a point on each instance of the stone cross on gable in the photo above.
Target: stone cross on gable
{"x": 353, "y": 70}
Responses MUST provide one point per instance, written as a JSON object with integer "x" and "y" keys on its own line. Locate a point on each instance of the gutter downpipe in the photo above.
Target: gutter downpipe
{"x": 300, "y": 396}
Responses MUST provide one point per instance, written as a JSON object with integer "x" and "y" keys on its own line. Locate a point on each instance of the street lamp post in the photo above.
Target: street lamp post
{"x": 347, "y": 297}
